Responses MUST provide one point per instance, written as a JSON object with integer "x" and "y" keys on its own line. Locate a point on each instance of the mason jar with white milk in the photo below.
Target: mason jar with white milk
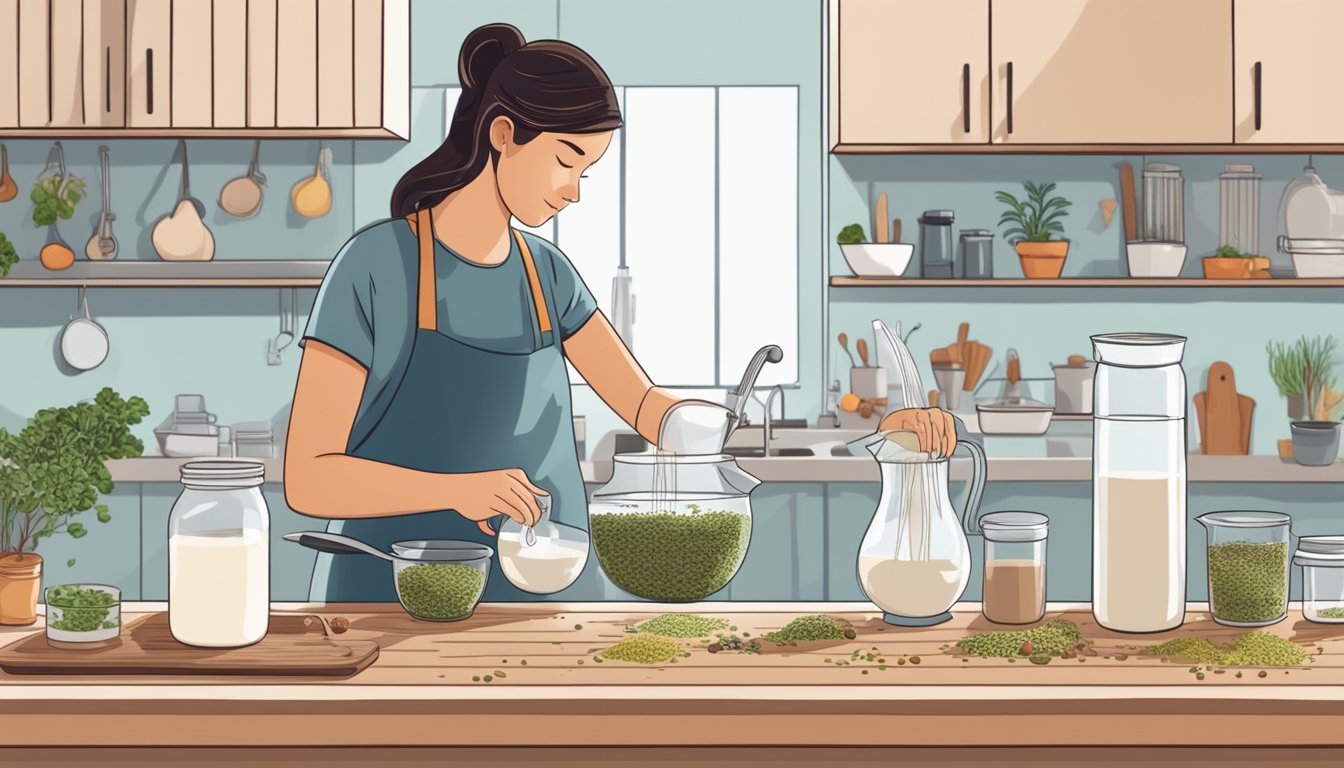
{"x": 1139, "y": 476}
{"x": 219, "y": 556}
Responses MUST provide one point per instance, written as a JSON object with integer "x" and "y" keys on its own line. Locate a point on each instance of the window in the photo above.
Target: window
{"x": 700, "y": 189}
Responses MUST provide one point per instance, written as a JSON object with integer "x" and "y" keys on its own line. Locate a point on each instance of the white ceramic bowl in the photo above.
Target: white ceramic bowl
{"x": 878, "y": 259}
{"x": 1318, "y": 264}
{"x": 1013, "y": 419}
{"x": 1155, "y": 259}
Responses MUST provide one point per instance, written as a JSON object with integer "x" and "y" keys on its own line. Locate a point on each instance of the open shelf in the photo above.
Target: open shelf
{"x": 1087, "y": 149}
{"x": 1086, "y": 282}
{"x": 198, "y": 133}
{"x": 227, "y": 273}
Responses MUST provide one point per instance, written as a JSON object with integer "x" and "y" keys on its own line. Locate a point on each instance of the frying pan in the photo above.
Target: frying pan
{"x": 84, "y": 343}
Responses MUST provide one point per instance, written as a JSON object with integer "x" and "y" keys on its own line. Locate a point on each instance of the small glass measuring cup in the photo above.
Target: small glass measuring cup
{"x": 543, "y": 558}
{"x": 1248, "y": 556}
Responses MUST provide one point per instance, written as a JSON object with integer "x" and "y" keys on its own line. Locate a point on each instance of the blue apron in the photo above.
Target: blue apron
{"x": 460, "y": 408}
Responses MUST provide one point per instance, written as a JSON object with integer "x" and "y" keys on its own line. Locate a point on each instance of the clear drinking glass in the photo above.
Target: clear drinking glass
{"x": 1139, "y": 482}
{"x": 219, "y": 592}
{"x": 1014, "y": 589}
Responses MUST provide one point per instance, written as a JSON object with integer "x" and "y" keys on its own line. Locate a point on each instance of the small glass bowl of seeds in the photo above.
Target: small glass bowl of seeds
{"x": 440, "y": 580}
{"x": 83, "y": 616}
{"x": 1248, "y": 558}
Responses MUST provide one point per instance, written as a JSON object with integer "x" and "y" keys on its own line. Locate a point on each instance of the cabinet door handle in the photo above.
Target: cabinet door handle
{"x": 1258, "y": 91}
{"x": 107, "y": 80}
{"x": 149, "y": 81}
{"x": 966, "y": 97}
{"x": 1010, "y": 97}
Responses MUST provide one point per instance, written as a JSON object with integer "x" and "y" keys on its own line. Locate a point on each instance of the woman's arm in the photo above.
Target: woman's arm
{"x": 599, "y": 354}
{"x": 322, "y": 481}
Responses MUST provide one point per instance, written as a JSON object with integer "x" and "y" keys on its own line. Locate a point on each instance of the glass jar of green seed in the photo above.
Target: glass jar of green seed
{"x": 82, "y": 614}
{"x": 1322, "y": 561}
{"x": 1248, "y": 567}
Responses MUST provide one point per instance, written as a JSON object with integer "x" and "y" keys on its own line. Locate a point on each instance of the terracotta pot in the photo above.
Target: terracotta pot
{"x": 1042, "y": 260}
{"x": 1218, "y": 268}
{"x": 20, "y": 584}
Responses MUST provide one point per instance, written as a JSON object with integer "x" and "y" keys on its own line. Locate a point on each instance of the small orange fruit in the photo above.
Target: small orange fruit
{"x": 56, "y": 256}
{"x": 849, "y": 403}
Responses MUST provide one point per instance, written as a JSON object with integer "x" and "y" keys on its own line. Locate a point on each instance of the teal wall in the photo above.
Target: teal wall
{"x": 213, "y": 341}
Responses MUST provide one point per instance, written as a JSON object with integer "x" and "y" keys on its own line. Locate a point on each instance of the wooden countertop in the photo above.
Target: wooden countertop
{"x": 419, "y": 691}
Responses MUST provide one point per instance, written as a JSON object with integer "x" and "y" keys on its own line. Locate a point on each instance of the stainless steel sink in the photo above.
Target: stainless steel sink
{"x": 757, "y": 453}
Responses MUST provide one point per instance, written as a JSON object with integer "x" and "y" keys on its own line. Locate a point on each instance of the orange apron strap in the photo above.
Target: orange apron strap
{"x": 426, "y": 306}
{"x": 543, "y": 314}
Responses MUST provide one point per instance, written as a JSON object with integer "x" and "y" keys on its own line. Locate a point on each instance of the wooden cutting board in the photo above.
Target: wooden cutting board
{"x": 294, "y": 645}
{"x": 1224, "y": 415}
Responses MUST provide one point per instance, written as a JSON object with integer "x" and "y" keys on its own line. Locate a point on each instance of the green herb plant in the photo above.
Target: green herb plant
{"x": 8, "y": 256}
{"x": 54, "y": 468}
{"x": 1286, "y": 366}
{"x": 55, "y": 197}
{"x": 1231, "y": 252}
{"x": 1035, "y": 219}
{"x": 851, "y": 235}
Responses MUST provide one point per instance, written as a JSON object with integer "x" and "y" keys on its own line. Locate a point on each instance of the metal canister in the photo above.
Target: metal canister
{"x": 1163, "y": 203}
{"x": 975, "y": 254}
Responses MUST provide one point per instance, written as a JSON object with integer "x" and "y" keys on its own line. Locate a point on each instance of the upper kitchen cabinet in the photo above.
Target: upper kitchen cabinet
{"x": 909, "y": 72}
{"x": 1286, "y": 57}
{"x": 208, "y": 68}
{"x": 1084, "y": 72}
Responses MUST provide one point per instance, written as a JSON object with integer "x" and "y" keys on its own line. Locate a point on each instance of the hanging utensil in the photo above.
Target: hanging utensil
{"x": 312, "y": 196}
{"x": 102, "y": 246}
{"x": 56, "y": 254}
{"x": 84, "y": 343}
{"x": 182, "y": 235}
{"x": 242, "y": 196}
{"x": 8, "y": 187}
{"x": 288, "y": 324}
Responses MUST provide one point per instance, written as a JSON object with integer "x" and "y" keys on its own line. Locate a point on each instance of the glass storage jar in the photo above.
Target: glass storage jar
{"x": 1014, "y": 588}
{"x": 672, "y": 528}
{"x": 1322, "y": 561}
{"x": 1248, "y": 567}
{"x": 1139, "y": 482}
{"x": 219, "y": 556}
{"x": 83, "y": 615}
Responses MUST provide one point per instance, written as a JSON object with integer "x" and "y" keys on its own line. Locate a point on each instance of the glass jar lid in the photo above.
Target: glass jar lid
{"x": 1245, "y": 519}
{"x": 1138, "y": 350}
{"x": 223, "y": 474}
{"x": 1014, "y": 526}
{"x": 1322, "y": 551}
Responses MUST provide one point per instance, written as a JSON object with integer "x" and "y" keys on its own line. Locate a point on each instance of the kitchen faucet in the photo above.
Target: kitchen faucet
{"x": 737, "y": 399}
{"x": 765, "y": 429}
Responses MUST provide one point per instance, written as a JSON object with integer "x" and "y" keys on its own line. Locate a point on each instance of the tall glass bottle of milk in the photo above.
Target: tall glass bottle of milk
{"x": 219, "y": 580}
{"x": 1139, "y": 482}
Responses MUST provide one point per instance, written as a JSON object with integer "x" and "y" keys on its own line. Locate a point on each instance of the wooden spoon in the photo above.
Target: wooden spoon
{"x": 862, "y": 344}
{"x": 844, "y": 344}
{"x": 312, "y": 196}
{"x": 8, "y": 189}
{"x": 880, "y": 220}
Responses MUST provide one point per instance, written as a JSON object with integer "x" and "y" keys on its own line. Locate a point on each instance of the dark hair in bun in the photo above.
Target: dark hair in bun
{"x": 545, "y": 85}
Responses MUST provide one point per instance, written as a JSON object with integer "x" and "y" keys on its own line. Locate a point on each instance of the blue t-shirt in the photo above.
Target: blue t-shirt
{"x": 366, "y": 307}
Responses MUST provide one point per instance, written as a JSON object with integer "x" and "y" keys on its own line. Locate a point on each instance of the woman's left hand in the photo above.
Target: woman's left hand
{"x": 935, "y": 427}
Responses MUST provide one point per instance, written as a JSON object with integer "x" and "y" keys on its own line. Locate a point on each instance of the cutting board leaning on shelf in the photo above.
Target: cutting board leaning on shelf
{"x": 1224, "y": 415}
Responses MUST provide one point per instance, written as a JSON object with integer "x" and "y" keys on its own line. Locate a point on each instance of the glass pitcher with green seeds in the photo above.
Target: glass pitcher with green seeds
{"x": 1248, "y": 567}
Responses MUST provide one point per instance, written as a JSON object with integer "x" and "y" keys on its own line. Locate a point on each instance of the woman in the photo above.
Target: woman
{"x": 433, "y": 394}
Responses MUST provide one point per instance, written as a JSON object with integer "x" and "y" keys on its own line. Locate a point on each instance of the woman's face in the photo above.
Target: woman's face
{"x": 538, "y": 179}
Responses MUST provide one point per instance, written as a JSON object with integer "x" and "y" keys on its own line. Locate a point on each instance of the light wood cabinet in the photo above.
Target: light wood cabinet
{"x": 310, "y": 68}
{"x": 910, "y": 71}
{"x": 1287, "y": 61}
{"x": 1111, "y": 71}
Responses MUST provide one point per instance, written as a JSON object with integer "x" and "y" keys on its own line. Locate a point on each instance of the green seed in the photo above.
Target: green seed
{"x": 1050, "y": 639}
{"x": 475, "y": 678}
{"x": 670, "y": 557}
{"x": 578, "y": 626}
{"x": 500, "y": 674}
{"x": 1249, "y": 582}
{"x": 805, "y": 628}
{"x": 1331, "y": 613}
{"x": 440, "y": 590}
{"x": 488, "y": 678}
{"x": 882, "y": 667}
{"x": 1199, "y": 676}
{"x": 1257, "y": 649}
{"x": 680, "y": 625}
{"x": 901, "y": 660}
{"x": 643, "y": 649}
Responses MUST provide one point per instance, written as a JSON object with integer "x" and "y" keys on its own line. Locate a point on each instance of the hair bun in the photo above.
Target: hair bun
{"x": 483, "y": 50}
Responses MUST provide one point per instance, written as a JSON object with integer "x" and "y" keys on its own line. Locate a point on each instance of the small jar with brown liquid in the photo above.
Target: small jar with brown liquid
{"x": 1014, "y": 590}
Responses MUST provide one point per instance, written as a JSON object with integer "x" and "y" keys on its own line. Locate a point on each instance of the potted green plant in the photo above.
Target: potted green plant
{"x": 1035, "y": 223}
{"x": 1229, "y": 263}
{"x": 51, "y": 471}
{"x": 1285, "y": 368}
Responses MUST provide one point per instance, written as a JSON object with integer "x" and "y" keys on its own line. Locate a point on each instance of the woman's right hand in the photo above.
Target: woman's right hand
{"x": 480, "y": 496}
